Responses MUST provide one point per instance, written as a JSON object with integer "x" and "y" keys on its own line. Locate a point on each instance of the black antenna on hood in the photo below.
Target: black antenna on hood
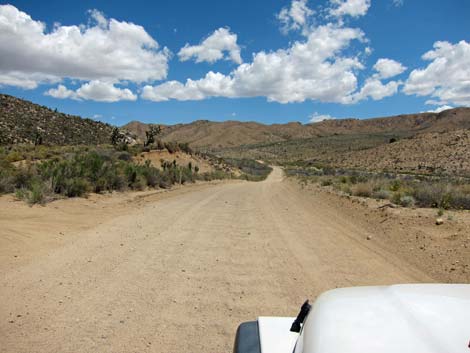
{"x": 304, "y": 310}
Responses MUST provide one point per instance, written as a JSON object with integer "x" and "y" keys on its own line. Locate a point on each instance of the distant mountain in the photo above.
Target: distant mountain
{"x": 22, "y": 122}
{"x": 207, "y": 134}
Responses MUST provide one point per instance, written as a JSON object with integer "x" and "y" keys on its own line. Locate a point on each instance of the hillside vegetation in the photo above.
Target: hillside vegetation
{"x": 25, "y": 122}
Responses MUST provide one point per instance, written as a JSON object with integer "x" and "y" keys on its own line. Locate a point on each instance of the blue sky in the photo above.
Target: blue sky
{"x": 270, "y": 60}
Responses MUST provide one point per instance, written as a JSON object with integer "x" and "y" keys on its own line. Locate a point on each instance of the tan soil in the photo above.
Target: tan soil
{"x": 178, "y": 271}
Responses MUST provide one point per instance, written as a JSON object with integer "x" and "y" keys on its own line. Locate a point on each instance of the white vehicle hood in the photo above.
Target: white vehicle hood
{"x": 423, "y": 318}
{"x": 275, "y": 335}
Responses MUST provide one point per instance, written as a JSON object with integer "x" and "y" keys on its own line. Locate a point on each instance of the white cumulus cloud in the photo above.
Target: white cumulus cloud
{"x": 376, "y": 89}
{"x": 61, "y": 92}
{"x": 212, "y": 85}
{"x": 447, "y": 76}
{"x": 213, "y": 48}
{"x": 440, "y": 109}
{"x": 353, "y": 8}
{"x": 94, "y": 90}
{"x": 387, "y": 68}
{"x": 104, "y": 50}
{"x": 314, "y": 69}
{"x": 295, "y": 17}
{"x": 316, "y": 118}
{"x": 398, "y": 3}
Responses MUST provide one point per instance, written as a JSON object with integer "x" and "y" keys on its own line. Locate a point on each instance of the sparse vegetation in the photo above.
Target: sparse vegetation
{"x": 402, "y": 189}
{"x": 38, "y": 174}
{"x": 251, "y": 170}
{"x": 25, "y": 122}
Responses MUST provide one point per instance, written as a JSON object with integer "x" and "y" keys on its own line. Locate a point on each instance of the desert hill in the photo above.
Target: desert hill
{"x": 214, "y": 135}
{"x": 427, "y": 153}
{"x": 22, "y": 121}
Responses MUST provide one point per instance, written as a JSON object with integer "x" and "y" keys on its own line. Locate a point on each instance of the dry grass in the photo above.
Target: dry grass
{"x": 404, "y": 190}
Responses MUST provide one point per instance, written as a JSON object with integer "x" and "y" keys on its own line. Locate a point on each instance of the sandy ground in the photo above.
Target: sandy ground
{"x": 442, "y": 251}
{"x": 177, "y": 272}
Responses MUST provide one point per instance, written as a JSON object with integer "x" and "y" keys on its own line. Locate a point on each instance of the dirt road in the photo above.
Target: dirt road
{"x": 179, "y": 274}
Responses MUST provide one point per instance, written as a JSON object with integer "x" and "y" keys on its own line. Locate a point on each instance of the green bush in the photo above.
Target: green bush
{"x": 407, "y": 201}
{"x": 76, "y": 187}
{"x": 382, "y": 194}
{"x": 76, "y": 171}
{"x": 7, "y": 183}
{"x": 395, "y": 185}
{"x": 35, "y": 193}
{"x": 14, "y": 156}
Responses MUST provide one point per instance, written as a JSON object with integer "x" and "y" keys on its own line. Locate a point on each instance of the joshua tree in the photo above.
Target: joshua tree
{"x": 37, "y": 138}
{"x": 115, "y": 136}
{"x": 150, "y": 134}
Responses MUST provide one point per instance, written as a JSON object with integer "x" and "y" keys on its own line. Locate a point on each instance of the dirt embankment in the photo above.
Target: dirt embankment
{"x": 181, "y": 158}
{"x": 177, "y": 272}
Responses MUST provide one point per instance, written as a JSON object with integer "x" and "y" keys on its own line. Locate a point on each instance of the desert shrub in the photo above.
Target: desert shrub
{"x": 122, "y": 147}
{"x": 406, "y": 190}
{"x": 461, "y": 201}
{"x": 7, "y": 179}
{"x": 363, "y": 189}
{"x": 353, "y": 179}
{"x": 345, "y": 188}
{"x": 172, "y": 147}
{"x": 7, "y": 183}
{"x": 188, "y": 176}
{"x": 433, "y": 195}
{"x": 251, "y": 170}
{"x": 160, "y": 145}
{"x": 14, "y": 156}
{"x": 185, "y": 148}
{"x": 407, "y": 201}
{"x": 151, "y": 175}
{"x": 76, "y": 187}
{"x": 381, "y": 194}
{"x": 140, "y": 183}
{"x": 215, "y": 175}
{"x": 116, "y": 180}
{"x": 76, "y": 170}
{"x": 23, "y": 177}
{"x": 395, "y": 185}
{"x": 124, "y": 156}
{"x": 34, "y": 193}
{"x": 396, "y": 197}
